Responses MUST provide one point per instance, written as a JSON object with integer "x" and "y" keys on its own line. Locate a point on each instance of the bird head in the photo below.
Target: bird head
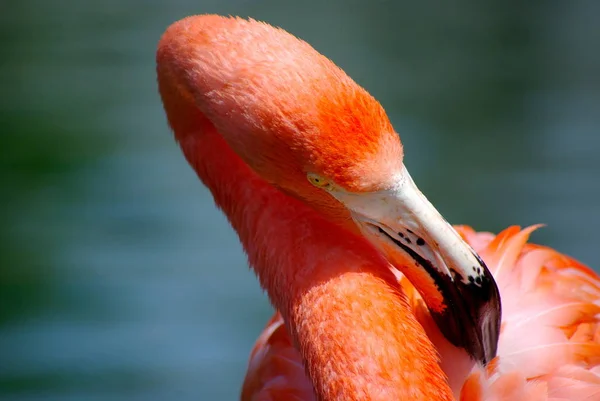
{"x": 304, "y": 126}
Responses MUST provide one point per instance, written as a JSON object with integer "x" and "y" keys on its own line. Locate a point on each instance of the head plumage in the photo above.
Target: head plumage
{"x": 283, "y": 107}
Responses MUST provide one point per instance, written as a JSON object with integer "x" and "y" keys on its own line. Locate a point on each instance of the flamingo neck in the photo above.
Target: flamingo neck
{"x": 342, "y": 306}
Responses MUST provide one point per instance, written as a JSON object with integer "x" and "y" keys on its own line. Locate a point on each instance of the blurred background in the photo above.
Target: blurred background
{"x": 119, "y": 280}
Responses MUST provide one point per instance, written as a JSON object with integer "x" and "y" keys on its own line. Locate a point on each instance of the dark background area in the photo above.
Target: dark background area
{"x": 119, "y": 280}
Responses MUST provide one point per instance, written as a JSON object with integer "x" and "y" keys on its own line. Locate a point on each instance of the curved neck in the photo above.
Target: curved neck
{"x": 342, "y": 306}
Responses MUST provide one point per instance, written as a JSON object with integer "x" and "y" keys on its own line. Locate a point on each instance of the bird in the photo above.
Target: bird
{"x": 377, "y": 296}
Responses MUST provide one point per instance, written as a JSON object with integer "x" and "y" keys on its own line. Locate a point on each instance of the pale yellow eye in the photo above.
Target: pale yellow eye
{"x": 319, "y": 181}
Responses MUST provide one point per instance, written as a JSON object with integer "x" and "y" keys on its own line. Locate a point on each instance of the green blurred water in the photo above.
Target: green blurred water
{"x": 120, "y": 280}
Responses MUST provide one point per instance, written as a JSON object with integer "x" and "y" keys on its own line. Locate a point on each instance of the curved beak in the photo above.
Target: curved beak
{"x": 455, "y": 283}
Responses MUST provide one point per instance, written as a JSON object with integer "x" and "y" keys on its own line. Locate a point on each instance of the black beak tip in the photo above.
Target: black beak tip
{"x": 473, "y": 315}
{"x": 471, "y": 319}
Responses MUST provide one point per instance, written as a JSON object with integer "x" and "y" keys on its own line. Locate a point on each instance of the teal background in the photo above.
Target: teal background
{"x": 119, "y": 280}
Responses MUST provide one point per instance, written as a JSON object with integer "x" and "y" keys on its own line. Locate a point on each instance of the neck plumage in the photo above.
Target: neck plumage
{"x": 342, "y": 306}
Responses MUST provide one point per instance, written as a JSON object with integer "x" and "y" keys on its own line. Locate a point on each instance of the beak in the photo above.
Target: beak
{"x": 453, "y": 280}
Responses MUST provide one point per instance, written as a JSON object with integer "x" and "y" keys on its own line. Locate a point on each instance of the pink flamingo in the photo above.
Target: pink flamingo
{"x": 378, "y": 298}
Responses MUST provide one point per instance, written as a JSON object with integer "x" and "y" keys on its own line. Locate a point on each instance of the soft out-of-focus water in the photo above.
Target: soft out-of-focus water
{"x": 119, "y": 278}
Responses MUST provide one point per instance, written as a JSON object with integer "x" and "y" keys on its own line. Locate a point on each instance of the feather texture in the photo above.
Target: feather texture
{"x": 549, "y": 346}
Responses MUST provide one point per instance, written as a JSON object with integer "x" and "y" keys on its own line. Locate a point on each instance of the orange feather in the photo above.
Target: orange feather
{"x": 561, "y": 360}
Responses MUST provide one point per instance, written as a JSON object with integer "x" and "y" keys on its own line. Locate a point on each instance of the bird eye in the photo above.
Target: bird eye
{"x": 319, "y": 181}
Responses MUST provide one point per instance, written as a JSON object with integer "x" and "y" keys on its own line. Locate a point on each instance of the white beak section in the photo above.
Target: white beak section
{"x": 406, "y": 215}
{"x": 454, "y": 282}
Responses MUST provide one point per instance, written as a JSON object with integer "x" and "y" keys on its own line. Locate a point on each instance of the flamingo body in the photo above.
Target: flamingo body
{"x": 308, "y": 170}
{"x": 549, "y": 347}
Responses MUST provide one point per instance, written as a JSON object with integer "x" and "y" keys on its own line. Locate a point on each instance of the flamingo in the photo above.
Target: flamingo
{"x": 377, "y": 296}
